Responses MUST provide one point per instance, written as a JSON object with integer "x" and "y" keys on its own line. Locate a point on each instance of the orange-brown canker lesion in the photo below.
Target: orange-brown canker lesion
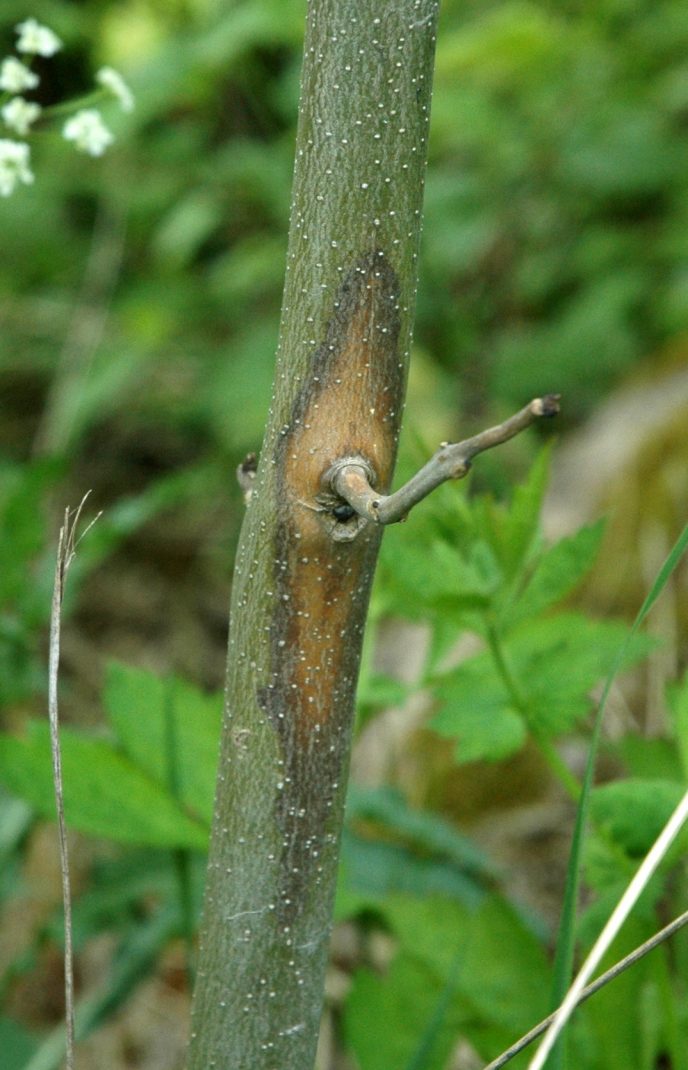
{"x": 351, "y": 407}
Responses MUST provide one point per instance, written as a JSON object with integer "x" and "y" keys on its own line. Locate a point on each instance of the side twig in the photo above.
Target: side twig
{"x": 66, "y": 549}
{"x": 604, "y": 979}
{"x": 350, "y": 478}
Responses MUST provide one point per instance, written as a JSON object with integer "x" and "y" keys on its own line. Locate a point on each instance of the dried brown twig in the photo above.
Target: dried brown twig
{"x": 66, "y": 550}
{"x": 351, "y": 478}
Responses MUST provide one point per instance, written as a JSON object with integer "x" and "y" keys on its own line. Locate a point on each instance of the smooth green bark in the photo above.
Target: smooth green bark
{"x": 303, "y": 572}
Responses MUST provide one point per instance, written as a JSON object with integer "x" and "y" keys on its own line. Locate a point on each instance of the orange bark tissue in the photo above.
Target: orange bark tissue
{"x": 351, "y": 407}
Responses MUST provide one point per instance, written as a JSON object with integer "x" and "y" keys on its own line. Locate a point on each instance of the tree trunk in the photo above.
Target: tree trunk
{"x": 305, "y": 561}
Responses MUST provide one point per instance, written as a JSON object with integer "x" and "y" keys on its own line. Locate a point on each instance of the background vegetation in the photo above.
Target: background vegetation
{"x": 139, "y": 300}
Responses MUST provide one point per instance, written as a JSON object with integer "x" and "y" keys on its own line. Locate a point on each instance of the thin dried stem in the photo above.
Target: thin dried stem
{"x": 349, "y": 479}
{"x": 604, "y": 979}
{"x": 66, "y": 550}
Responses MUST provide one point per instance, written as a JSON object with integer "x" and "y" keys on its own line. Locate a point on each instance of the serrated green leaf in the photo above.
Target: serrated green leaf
{"x": 558, "y": 660}
{"x": 477, "y": 711}
{"x": 438, "y": 577}
{"x": 553, "y": 664}
{"x": 170, "y": 729}
{"x": 557, "y": 572}
{"x": 519, "y": 529}
{"x": 105, "y": 793}
{"x": 443, "y": 637}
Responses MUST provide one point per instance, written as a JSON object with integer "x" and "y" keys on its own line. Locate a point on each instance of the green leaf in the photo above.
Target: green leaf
{"x": 500, "y": 951}
{"x": 633, "y": 812}
{"x": 380, "y": 691}
{"x": 647, "y": 758}
{"x": 385, "y": 1018}
{"x": 563, "y": 966}
{"x": 388, "y": 847}
{"x": 678, "y": 704}
{"x": 476, "y": 710}
{"x": 518, "y": 531}
{"x": 16, "y": 1044}
{"x": 621, "y": 1046}
{"x": 170, "y": 729}
{"x": 438, "y": 577}
{"x": 22, "y": 525}
{"x": 433, "y": 930}
{"x": 557, "y": 572}
{"x": 558, "y": 660}
{"x": 428, "y": 830}
{"x": 456, "y": 972}
{"x": 374, "y": 868}
{"x": 553, "y": 664}
{"x": 105, "y": 793}
{"x": 119, "y": 885}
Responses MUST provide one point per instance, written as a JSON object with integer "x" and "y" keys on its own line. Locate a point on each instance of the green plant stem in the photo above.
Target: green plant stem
{"x": 520, "y": 702}
{"x": 559, "y": 767}
{"x": 54, "y": 111}
{"x": 508, "y": 679}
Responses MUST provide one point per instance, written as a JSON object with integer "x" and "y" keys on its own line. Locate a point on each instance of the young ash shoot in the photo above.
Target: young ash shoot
{"x": 310, "y": 539}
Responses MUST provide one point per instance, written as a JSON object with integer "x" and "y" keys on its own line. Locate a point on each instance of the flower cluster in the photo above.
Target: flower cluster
{"x": 85, "y": 128}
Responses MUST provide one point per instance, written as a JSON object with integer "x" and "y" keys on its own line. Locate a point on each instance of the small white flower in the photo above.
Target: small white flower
{"x": 19, "y": 114}
{"x": 113, "y": 81}
{"x": 15, "y": 77}
{"x": 88, "y": 132}
{"x": 37, "y": 40}
{"x": 14, "y": 166}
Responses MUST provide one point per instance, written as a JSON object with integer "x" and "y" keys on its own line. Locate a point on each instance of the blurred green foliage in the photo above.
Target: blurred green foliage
{"x": 555, "y": 236}
{"x": 139, "y": 304}
{"x": 460, "y": 939}
{"x": 139, "y": 294}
